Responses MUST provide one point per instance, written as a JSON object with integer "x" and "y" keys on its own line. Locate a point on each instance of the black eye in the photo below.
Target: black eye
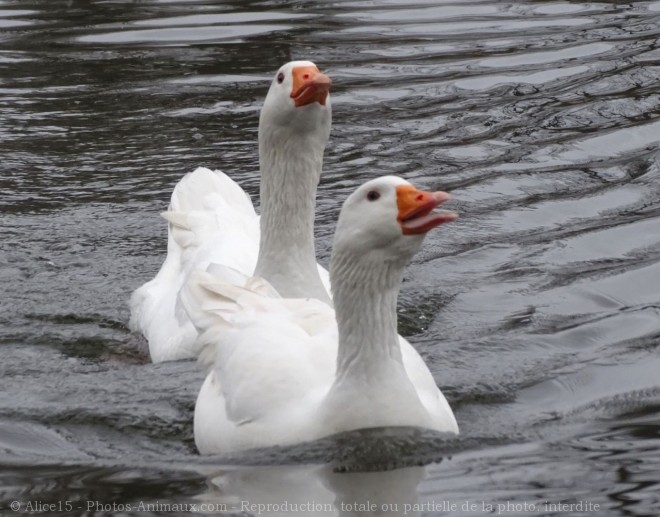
{"x": 280, "y": 77}
{"x": 373, "y": 195}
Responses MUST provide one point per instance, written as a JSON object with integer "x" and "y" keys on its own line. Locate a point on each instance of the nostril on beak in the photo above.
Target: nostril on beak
{"x": 420, "y": 197}
{"x": 306, "y": 76}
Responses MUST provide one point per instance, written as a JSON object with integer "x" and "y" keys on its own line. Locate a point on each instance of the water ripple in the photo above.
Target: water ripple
{"x": 537, "y": 311}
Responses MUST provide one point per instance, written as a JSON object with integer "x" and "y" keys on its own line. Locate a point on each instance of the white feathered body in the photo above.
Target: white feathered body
{"x": 272, "y": 364}
{"x": 212, "y": 220}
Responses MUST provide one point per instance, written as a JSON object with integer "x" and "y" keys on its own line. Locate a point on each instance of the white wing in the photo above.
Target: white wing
{"x": 270, "y": 361}
{"x": 211, "y": 219}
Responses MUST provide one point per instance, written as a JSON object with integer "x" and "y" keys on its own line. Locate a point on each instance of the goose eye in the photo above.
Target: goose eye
{"x": 280, "y": 77}
{"x": 373, "y": 195}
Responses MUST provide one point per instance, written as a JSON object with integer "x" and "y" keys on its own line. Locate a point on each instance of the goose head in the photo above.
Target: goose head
{"x": 387, "y": 218}
{"x": 298, "y": 101}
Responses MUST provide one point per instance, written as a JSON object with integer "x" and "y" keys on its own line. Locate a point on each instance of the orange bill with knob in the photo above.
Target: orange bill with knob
{"x": 416, "y": 213}
{"x": 309, "y": 86}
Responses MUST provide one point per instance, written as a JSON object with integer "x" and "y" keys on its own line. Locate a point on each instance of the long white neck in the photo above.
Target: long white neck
{"x": 371, "y": 385}
{"x": 365, "y": 299}
{"x": 290, "y": 171}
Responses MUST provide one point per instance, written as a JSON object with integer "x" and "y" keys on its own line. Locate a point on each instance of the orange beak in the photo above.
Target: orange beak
{"x": 309, "y": 85}
{"x": 416, "y": 210}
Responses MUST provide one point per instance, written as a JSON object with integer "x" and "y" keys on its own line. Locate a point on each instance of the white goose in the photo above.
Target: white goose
{"x": 212, "y": 219}
{"x": 283, "y": 371}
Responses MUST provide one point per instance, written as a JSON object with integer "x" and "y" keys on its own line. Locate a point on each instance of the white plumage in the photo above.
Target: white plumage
{"x": 212, "y": 220}
{"x": 283, "y": 371}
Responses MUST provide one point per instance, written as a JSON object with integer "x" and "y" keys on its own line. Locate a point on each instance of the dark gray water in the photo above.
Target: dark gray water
{"x": 538, "y": 311}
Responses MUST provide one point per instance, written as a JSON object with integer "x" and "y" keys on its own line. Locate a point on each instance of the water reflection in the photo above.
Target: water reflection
{"x": 316, "y": 490}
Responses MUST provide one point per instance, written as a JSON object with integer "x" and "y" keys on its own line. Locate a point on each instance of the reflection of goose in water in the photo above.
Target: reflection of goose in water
{"x": 313, "y": 490}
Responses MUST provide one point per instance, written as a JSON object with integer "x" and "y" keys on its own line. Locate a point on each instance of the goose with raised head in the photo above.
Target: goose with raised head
{"x": 284, "y": 371}
{"x": 212, "y": 220}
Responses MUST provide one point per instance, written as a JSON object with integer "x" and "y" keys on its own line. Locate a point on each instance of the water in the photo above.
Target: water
{"x": 538, "y": 311}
